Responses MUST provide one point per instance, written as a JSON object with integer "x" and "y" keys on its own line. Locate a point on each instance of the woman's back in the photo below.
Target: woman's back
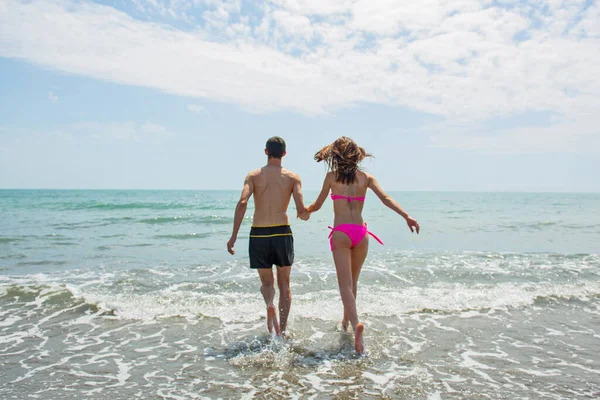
{"x": 348, "y": 199}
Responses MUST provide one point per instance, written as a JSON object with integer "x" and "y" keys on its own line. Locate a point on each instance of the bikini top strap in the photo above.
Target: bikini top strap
{"x": 339, "y": 197}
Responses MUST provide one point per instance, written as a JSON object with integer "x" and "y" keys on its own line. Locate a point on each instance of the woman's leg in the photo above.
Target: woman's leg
{"x": 342, "y": 256}
{"x": 359, "y": 254}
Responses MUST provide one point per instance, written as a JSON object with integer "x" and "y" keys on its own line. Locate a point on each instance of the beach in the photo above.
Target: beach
{"x": 132, "y": 294}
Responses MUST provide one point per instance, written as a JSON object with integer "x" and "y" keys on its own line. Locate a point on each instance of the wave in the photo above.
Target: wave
{"x": 460, "y": 211}
{"x": 9, "y": 240}
{"x": 131, "y": 206}
{"x": 50, "y": 237}
{"x": 174, "y": 220}
{"x": 97, "y": 223}
{"x": 41, "y": 262}
{"x": 13, "y": 256}
{"x": 542, "y": 225}
{"x": 186, "y": 236}
{"x": 207, "y": 220}
{"x": 115, "y": 206}
{"x": 458, "y": 297}
{"x": 201, "y": 300}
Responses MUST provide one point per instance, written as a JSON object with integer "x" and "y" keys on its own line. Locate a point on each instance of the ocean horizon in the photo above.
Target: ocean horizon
{"x": 304, "y": 189}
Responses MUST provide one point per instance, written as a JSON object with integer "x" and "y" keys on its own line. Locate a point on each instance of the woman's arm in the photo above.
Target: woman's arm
{"x": 316, "y": 206}
{"x": 391, "y": 203}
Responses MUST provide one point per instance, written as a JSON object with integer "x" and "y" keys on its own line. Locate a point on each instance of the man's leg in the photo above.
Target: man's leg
{"x": 268, "y": 291}
{"x": 285, "y": 295}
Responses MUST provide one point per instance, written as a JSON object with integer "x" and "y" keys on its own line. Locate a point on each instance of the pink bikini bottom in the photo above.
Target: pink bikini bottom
{"x": 355, "y": 232}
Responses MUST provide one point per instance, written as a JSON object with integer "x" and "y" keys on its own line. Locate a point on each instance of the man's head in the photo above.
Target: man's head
{"x": 275, "y": 147}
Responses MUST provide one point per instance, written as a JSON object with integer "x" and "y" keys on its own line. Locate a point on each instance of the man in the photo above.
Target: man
{"x": 271, "y": 241}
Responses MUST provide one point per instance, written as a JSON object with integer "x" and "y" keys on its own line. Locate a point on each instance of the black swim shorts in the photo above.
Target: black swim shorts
{"x": 271, "y": 245}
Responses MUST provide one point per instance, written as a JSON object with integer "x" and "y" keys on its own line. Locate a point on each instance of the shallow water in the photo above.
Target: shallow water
{"x": 131, "y": 294}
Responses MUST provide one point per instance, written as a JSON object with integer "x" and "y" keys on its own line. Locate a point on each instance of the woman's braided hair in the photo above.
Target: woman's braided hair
{"x": 342, "y": 158}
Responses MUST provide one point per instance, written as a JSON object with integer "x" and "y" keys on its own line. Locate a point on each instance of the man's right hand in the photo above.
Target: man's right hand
{"x": 230, "y": 245}
{"x": 304, "y": 216}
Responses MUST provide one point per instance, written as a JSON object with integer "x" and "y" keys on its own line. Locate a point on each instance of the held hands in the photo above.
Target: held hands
{"x": 230, "y": 245}
{"x": 304, "y": 215}
{"x": 412, "y": 224}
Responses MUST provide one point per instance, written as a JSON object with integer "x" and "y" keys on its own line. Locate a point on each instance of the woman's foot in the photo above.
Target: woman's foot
{"x": 272, "y": 323}
{"x": 359, "y": 345}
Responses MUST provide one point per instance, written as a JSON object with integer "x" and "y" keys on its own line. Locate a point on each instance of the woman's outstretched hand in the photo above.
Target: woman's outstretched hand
{"x": 412, "y": 224}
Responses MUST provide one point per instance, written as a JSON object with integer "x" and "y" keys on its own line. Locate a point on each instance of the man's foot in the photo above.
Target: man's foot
{"x": 359, "y": 345}
{"x": 272, "y": 323}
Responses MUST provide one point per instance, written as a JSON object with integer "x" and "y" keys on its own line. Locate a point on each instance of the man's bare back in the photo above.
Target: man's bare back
{"x": 273, "y": 187}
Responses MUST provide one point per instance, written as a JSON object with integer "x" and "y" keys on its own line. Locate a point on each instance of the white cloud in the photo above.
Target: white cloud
{"x": 52, "y": 97}
{"x": 101, "y": 42}
{"x": 457, "y": 59}
{"x": 570, "y": 136}
{"x": 198, "y": 109}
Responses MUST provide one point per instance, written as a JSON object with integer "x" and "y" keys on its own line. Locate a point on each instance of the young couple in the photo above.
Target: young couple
{"x": 271, "y": 241}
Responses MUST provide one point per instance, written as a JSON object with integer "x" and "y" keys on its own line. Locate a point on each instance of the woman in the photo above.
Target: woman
{"x": 349, "y": 238}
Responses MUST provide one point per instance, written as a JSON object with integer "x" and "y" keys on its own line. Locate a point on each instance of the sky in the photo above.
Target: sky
{"x": 452, "y": 95}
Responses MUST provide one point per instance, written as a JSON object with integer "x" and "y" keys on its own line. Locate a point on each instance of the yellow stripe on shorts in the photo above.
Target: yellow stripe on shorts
{"x": 268, "y": 226}
{"x": 267, "y": 236}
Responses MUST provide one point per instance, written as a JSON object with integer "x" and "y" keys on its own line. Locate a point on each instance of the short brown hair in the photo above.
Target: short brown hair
{"x": 275, "y": 147}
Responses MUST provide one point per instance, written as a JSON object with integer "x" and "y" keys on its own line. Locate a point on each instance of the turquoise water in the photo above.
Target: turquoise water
{"x": 131, "y": 294}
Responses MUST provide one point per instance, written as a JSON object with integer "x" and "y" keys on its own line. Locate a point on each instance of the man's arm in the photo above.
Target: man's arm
{"x": 316, "y": 206}
{"x": 391, "y": 203}
{"x": 302, "y": 212}
{"x": 240, "y": 211}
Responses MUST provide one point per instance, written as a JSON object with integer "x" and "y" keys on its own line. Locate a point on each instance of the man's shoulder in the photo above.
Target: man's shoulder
{"x": 254, "y": 172}
{"x": 290, "y": 174}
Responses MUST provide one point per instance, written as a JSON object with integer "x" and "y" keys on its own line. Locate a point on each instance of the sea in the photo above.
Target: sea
{"x": 131, "y": 294}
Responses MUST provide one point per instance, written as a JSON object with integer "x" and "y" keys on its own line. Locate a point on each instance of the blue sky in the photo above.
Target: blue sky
{"x": 182, "y": 94}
